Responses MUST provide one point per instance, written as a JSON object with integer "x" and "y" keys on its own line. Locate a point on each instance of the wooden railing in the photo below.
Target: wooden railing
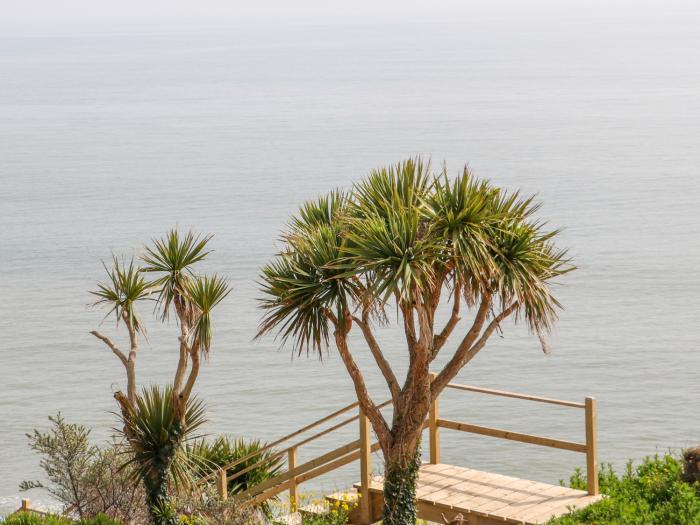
{"x": 589, "y": 447}
{"x": 295, "y": 473}
{"x": 362, "y": 448}
{"x": 26, "y": 507}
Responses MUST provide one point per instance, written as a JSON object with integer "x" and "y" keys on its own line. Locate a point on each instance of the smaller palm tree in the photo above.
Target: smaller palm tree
{"x": 156, "y": 438}
{"x": 154, "y": 426}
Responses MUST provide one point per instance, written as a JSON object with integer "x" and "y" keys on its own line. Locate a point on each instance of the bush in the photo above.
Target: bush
{"x": 32, "y": 518}
{"x": 206, "y": 508}
{"x": 86, "y": 479}
{"x": 653, "y": 493}
{"x": 207, "y": 456}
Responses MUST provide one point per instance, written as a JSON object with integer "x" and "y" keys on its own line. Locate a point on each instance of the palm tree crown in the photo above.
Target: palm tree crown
{"x": 403, "y": 234}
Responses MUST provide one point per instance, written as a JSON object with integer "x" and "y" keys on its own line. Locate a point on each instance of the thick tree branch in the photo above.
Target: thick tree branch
{"x": 440, "y": 339}
{"x": 106, "y": 340}
{"x": 368, "y": 406}
{"x": 381, "y": 361}
{"x": 131, "y": 364}
{"x": 409, "y": 328}
{"x": 182, "y": 312}
{"x": 192, "y": 378}
{"x": 181, "y": 364}
{"x": 453, "y": 366}
{"x": 462, "y": 358}
{"x": 493, "y": 325}
{"x": 132, "y": 333}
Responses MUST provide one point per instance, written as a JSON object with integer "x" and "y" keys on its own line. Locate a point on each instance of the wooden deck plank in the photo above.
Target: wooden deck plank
{"x": 494, "y": 496}
{"x": 539, "y": 499}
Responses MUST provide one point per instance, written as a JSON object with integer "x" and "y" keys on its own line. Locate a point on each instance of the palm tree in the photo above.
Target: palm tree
{"x": 156, "y": 438}
{"x": 410, "y": 240}
{"x": 176, "y": 289}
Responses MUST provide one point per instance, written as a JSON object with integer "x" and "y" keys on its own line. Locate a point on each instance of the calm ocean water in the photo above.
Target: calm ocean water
{"x": 108, "y": 140}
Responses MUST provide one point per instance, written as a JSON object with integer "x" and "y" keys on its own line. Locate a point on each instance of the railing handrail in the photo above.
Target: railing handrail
{"x": 280, "y": 440}
{"x": 295, "y": 445}
{"x": 513, "y": 436}
{"x": 515, "y": 395}
{"x": 362, "y": 448}
{"x": 589, "y": 447}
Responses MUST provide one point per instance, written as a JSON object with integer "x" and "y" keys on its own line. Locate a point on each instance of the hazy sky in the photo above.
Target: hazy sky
{"x": 26, "y": 17}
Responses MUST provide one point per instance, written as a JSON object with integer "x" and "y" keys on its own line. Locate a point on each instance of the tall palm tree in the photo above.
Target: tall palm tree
{"x": 177, "y": 289}
{"x": 408, "y": 240}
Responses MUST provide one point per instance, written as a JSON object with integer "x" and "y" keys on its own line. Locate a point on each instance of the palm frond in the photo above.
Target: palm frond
{"x": 156, "y": 437}
{"x": 204, "y": 293}
{"x": 125, "y": 287}
{"x": 528, "y": 262}
{"x": 174, "y": 255}
{"x": 302, "y": 285}
{"x": 327, "y": 210}
{"x": 393, "y": 252}
{"x": 404, "y": 185}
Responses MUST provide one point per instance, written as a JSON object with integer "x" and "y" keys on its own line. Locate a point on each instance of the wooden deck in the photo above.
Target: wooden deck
{"x": 484, "y": 498}
{"x": 444, "y": 491}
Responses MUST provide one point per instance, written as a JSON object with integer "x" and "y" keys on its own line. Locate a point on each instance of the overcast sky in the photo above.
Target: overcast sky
{"x": 24, "y": 17}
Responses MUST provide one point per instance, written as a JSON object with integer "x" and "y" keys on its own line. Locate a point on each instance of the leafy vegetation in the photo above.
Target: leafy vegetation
{"x": 211, "y": 455}
{"x": 31, "y": 518}
{"x": 204, "y": 507}
{"x": 652, "y": 493}
{"x": 88, "y": 480}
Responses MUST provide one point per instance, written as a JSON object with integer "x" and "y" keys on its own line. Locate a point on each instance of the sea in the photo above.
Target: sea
{"x": 109, "y": 139}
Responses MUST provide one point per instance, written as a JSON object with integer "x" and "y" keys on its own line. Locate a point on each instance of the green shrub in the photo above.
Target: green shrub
{"x": 209, "y": 455}
{"x": 86, "y": 479}
{"x": 100, "y": 519}
{"x": 653, "y": 493}
{"x": 32, "y": 518}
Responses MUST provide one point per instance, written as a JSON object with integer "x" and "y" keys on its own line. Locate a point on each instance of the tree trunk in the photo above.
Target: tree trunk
{"x": 157, "y": 499}
{"x": 400, "y": 477}
{"x": 156, "y": 481}
{"x": 131, "y": 378}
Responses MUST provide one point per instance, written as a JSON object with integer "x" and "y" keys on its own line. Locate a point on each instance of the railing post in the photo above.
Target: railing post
{"x": 591, "y": 447}
{"x": 365, "y": 470}
{"x": 222, "y": 484}
{"x": 292, "y": 458}
{"x": 25, "y": 504}
{"x": 434, "y": 429}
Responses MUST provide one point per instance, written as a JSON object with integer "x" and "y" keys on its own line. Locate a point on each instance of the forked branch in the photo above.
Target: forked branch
{"x": 440, "y": 339}
{"x": 366, "y": 403}
{"x": 379, "y": 358}
{"x": 106, "y": 340}
{"x": 454, "y": 365}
